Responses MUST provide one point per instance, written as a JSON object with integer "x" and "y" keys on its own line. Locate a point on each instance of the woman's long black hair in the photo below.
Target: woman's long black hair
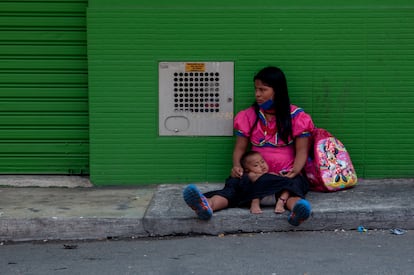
{"x": 275, "y": 78}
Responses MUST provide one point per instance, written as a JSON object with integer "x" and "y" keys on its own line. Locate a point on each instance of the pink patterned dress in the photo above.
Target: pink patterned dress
{"x": 264, "y": 137}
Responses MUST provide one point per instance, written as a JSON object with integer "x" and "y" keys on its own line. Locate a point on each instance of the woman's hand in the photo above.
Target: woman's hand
{"x": 290, "y": 174}
{"x": 239, "y": 148}
{"x": 301, "y": 147}
{"x": 237, "y": 172}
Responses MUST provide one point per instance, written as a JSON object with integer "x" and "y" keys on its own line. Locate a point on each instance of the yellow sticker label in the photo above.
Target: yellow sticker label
{"x": 195, "y": 67}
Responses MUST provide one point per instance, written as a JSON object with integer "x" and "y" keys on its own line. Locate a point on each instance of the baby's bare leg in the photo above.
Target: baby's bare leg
{"x": 255, "y": 207}
{"x": 281, "y": 202}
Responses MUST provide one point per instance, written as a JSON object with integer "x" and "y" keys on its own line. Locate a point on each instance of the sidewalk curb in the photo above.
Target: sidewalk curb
{"x": 331, "y": 211}
{"x": 135, "y": 212}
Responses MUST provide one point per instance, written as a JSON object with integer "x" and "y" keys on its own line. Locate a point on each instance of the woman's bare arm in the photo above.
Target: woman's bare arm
{"x": 239, "y": 148}
{"x": 302, "y": 148}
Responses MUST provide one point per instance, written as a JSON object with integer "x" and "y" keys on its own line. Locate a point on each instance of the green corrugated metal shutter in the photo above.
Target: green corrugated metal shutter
{"x": 43, "y": 87}
{"x": 350, "y": 64}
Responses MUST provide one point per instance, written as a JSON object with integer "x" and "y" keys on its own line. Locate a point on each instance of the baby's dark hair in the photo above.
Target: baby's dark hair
{"x": 243, "y": 159}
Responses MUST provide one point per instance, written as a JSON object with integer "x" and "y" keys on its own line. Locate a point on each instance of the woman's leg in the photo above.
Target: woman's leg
{"x": 217, "y": 202}
{"x": 205, "y": 204}
{"x": 198, "y": 202}
{"x": 300, "y": 210}
{"x": 290, "y": 203}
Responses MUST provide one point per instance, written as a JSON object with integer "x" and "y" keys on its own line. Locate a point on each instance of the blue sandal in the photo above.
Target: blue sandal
{"x": 198, "y": 202}
{"x": 300, "y": 212}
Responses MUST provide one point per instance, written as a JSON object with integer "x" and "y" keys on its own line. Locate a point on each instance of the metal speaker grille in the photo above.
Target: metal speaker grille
{"x": 197, "y": 92}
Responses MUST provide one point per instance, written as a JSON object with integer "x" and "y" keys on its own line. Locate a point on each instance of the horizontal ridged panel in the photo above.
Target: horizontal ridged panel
{"x": 349, "y": 65}
{"x": 44, "y": 127}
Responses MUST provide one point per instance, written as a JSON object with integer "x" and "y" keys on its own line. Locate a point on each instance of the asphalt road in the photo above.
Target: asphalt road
{"x": 340, "y": 252}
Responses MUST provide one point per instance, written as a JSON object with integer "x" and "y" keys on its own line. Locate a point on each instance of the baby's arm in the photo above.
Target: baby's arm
{"x": 255, "y": 207}
{"x": 253, "y": 176}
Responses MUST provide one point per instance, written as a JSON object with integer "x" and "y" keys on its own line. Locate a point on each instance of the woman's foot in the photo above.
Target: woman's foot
{"x": 301, "y": 211}
{"x": 198, "y": 202}
{"x": 280, "y": 206}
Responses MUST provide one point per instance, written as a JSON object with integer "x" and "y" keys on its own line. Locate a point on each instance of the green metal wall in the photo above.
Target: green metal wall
{"x": 43, "y": 87}
{"x": 349, "y": 64}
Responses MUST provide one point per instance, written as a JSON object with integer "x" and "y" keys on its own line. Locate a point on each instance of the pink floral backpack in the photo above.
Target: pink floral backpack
{"x": 329, "y": 167}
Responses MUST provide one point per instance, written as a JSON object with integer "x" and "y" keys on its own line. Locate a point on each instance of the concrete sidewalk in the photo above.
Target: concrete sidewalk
{"x": 79, "y": 212}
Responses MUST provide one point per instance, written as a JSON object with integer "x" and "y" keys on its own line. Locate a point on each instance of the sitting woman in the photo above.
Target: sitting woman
{"x": 276, "y": 129}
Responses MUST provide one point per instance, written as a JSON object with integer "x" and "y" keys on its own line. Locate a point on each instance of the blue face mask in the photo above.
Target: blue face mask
{"x": 267, "y": 105}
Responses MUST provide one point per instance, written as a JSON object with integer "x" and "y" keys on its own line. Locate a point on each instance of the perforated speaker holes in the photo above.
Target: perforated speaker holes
{"x": 197, "y": 92}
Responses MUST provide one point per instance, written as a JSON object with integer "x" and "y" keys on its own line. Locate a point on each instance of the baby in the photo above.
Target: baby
{"x": 255, "y": 166}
